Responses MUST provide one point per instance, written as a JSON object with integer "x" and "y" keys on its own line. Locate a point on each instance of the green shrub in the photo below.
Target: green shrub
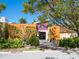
{"x": 76, "y": 40}
{"x": 16, "y": 43}
{"x": 33, "y": 41}
{"x": 69, "y": 42}
{"x": 11, "y": 43}
{"x": 4, "y": 43}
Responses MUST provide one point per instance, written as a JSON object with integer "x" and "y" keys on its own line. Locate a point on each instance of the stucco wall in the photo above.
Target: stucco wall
{"x": 54, "y": 32}
{"x": 67, "y": 35}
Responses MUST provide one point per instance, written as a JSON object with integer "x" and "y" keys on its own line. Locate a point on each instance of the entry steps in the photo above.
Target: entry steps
{"x": 47, "y": 44}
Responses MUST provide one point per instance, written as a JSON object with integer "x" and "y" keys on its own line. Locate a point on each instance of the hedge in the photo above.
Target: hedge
{"x": 69, "y": 42}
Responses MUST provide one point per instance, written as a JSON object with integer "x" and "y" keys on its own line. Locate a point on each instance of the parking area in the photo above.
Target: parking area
{"x": 47, "y": 54}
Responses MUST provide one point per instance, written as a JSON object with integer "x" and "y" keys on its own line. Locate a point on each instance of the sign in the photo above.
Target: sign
{"x": 42, "y": 26}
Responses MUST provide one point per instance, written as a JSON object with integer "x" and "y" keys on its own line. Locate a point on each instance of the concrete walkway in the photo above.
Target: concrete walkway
{"x": 47, "y": 54}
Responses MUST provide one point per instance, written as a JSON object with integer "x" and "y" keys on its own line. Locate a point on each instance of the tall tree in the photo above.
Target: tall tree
{"x": 2, "y": 7}
{"x": 22, "y": 21}
{"x": 4, "y": 29}
{"x": 60, "y": 12}
{"x": 42, "y": 19}
{"x": 4, "y": 33}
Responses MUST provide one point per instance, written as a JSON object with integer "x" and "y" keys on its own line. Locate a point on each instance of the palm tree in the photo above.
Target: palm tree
{"x": 2, "y": 7}
{"x": 22, "y": 21}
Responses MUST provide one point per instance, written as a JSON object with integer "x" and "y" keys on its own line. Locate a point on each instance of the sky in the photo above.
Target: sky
{"x": 13, "y": 11}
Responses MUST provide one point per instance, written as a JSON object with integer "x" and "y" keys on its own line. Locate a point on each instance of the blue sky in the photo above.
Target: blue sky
{"x": 14, "y": 9}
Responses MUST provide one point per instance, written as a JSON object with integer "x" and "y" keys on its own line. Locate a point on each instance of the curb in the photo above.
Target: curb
{"x": 5, "y": 52}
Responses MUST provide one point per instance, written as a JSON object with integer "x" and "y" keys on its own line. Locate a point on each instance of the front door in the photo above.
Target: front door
{"x": 42, "y": 35}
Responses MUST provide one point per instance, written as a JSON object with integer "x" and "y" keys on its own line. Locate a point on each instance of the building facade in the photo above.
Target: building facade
{"x": 45, "y": 32}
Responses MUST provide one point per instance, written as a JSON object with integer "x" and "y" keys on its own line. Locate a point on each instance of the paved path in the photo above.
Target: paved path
{"x": 47, "y": 54}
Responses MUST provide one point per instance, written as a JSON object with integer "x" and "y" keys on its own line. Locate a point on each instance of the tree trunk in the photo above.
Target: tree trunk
{"x": 78, "y": 33}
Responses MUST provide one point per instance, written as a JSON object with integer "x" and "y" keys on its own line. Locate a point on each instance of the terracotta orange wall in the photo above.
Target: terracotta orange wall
{"x": 54, "y": 32}
{"x": 22, "y": 26}
{"x": 55, "y": 29}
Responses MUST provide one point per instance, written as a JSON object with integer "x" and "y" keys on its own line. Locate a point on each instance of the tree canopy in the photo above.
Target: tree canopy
{"x": 2, "y": 7}
{"x": 60, "y": 12}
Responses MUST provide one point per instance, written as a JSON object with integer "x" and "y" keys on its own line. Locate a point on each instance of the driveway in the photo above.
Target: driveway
{"x": 47, "y": 54}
